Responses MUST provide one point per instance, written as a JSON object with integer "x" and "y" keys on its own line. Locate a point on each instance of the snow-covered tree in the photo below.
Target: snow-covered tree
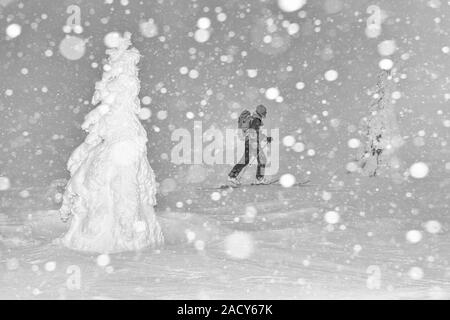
{"x": 381, "y": 131}
{"x": 111, "y": 192}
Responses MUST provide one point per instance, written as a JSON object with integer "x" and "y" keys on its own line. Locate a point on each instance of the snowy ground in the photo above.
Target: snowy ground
{"x": 291, "y": 251}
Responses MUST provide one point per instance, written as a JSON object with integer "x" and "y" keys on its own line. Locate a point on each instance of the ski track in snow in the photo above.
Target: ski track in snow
{"x": 296, "y": 256}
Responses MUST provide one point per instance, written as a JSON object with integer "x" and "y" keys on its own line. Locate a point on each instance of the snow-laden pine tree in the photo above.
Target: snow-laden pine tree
{"x": 110, "y": 196}
{"x": 381, "y": 131}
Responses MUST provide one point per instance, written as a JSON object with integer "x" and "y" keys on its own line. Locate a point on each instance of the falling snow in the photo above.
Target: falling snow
{"x": 357, "y": 100}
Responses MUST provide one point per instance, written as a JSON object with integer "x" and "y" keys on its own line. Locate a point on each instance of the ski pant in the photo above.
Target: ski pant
{"x": 245, "y": 160}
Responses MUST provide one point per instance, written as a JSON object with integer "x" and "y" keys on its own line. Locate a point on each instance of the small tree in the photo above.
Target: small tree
{"x": 111, "y": 191}
{"x": 381, "y": 132}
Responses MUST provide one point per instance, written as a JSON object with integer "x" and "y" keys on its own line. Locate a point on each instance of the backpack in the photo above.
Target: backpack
{"x": 244, "y": 120}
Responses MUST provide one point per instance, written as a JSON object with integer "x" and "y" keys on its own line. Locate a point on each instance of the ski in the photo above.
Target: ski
{"x": 265, "y": 184}
{"x": 277, "y": 182}
{"x": 273, "y": 182}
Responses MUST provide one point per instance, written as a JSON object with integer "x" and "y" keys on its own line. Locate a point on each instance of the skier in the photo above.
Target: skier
{"x": 250, "y": 125}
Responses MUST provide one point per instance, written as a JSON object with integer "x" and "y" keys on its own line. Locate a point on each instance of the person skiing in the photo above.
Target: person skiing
{"x": 250, "y": 125}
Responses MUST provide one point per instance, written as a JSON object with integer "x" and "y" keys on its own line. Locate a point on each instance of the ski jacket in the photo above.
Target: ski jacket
{"x": 254, "y": 131}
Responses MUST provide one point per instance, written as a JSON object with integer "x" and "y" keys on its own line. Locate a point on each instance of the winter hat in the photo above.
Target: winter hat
{"x": 261, "y": 111}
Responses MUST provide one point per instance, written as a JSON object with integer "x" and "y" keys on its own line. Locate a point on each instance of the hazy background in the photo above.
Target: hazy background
{"x": 44, "y": 95}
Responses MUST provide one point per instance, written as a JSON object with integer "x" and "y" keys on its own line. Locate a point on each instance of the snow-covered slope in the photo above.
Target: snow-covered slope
{"x": 317, "y": 241}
